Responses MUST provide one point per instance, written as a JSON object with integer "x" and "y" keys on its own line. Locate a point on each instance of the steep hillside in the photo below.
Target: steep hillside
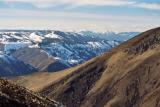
{"x": 126, "y": 76}
{"x": 39, "y": 80}
{"x": 39, "y": 59}
{"x": 11, "y": 66}
{"x": 12, "y": 95}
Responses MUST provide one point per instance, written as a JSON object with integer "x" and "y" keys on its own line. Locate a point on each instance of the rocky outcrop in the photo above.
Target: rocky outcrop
{"x": 12, "y": 95}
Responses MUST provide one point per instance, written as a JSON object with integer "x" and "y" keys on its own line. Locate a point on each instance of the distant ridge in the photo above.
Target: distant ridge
{"x": 28, "y": 51}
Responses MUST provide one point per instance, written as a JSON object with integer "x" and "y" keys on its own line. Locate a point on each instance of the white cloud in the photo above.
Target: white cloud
{"x": 42, "y": 19}
{"x": 52, "y": 15}
{"x": 29, "y": 19}
{"x": 70, "y": 25}
{"x": 74, "y": 3}
{"x": 152, "y": 6}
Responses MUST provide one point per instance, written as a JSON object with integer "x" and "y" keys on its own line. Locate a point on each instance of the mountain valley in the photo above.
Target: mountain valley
{"x": 125, "y": 76}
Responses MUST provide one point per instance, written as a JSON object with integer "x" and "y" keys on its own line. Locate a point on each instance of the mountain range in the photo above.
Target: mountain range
{"x": 28, "y": 51}
{"x": 125, "y": 76}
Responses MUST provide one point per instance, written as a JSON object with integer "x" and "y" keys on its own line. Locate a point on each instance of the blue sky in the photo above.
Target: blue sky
{"x": 96, "y": 15}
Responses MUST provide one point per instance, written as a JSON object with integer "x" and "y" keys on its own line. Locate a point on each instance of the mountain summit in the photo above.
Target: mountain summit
{"x": 126, "y": 76}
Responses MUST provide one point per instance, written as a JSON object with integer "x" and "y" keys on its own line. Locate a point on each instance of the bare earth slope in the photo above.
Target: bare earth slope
{"x": 12, "y": 95}
{"x": 126, "y": 76}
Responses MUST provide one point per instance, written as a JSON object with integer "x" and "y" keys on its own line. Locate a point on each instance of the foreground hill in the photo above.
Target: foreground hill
{"x": 12, "y": 95}
{"x": 126, "y": 76}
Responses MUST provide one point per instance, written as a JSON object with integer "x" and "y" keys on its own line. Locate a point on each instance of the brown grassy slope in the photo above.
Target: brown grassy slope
{"x": 39, "y": 80}
{"x": 12, "y": 95}
{"x": 126, "y": 76}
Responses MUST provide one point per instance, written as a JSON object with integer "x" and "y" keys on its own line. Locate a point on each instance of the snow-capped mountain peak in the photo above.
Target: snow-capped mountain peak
{"x": 52, "y": 35}
{"x": 36, "y": 38}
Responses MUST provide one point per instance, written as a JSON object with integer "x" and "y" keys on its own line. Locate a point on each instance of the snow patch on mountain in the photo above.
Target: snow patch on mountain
{"x": 52, "y": 35}
{"x": 72, "y": 61}
{"x": 11, "y": 46}
{"x": 95, "y": 44}
{"x": 36, "y": 38}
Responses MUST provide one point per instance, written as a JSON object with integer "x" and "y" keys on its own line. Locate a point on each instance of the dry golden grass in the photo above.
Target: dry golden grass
{"x": 37, "y": 81}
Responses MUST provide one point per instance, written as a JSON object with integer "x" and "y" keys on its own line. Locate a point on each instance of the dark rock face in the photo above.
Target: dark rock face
{"x": 85, "y": 81}
{"x": 146, "y": 42}
{"x": 132, "y": 93}
{"x": 6, "y": 102}
{"x": 14, "y": 96}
